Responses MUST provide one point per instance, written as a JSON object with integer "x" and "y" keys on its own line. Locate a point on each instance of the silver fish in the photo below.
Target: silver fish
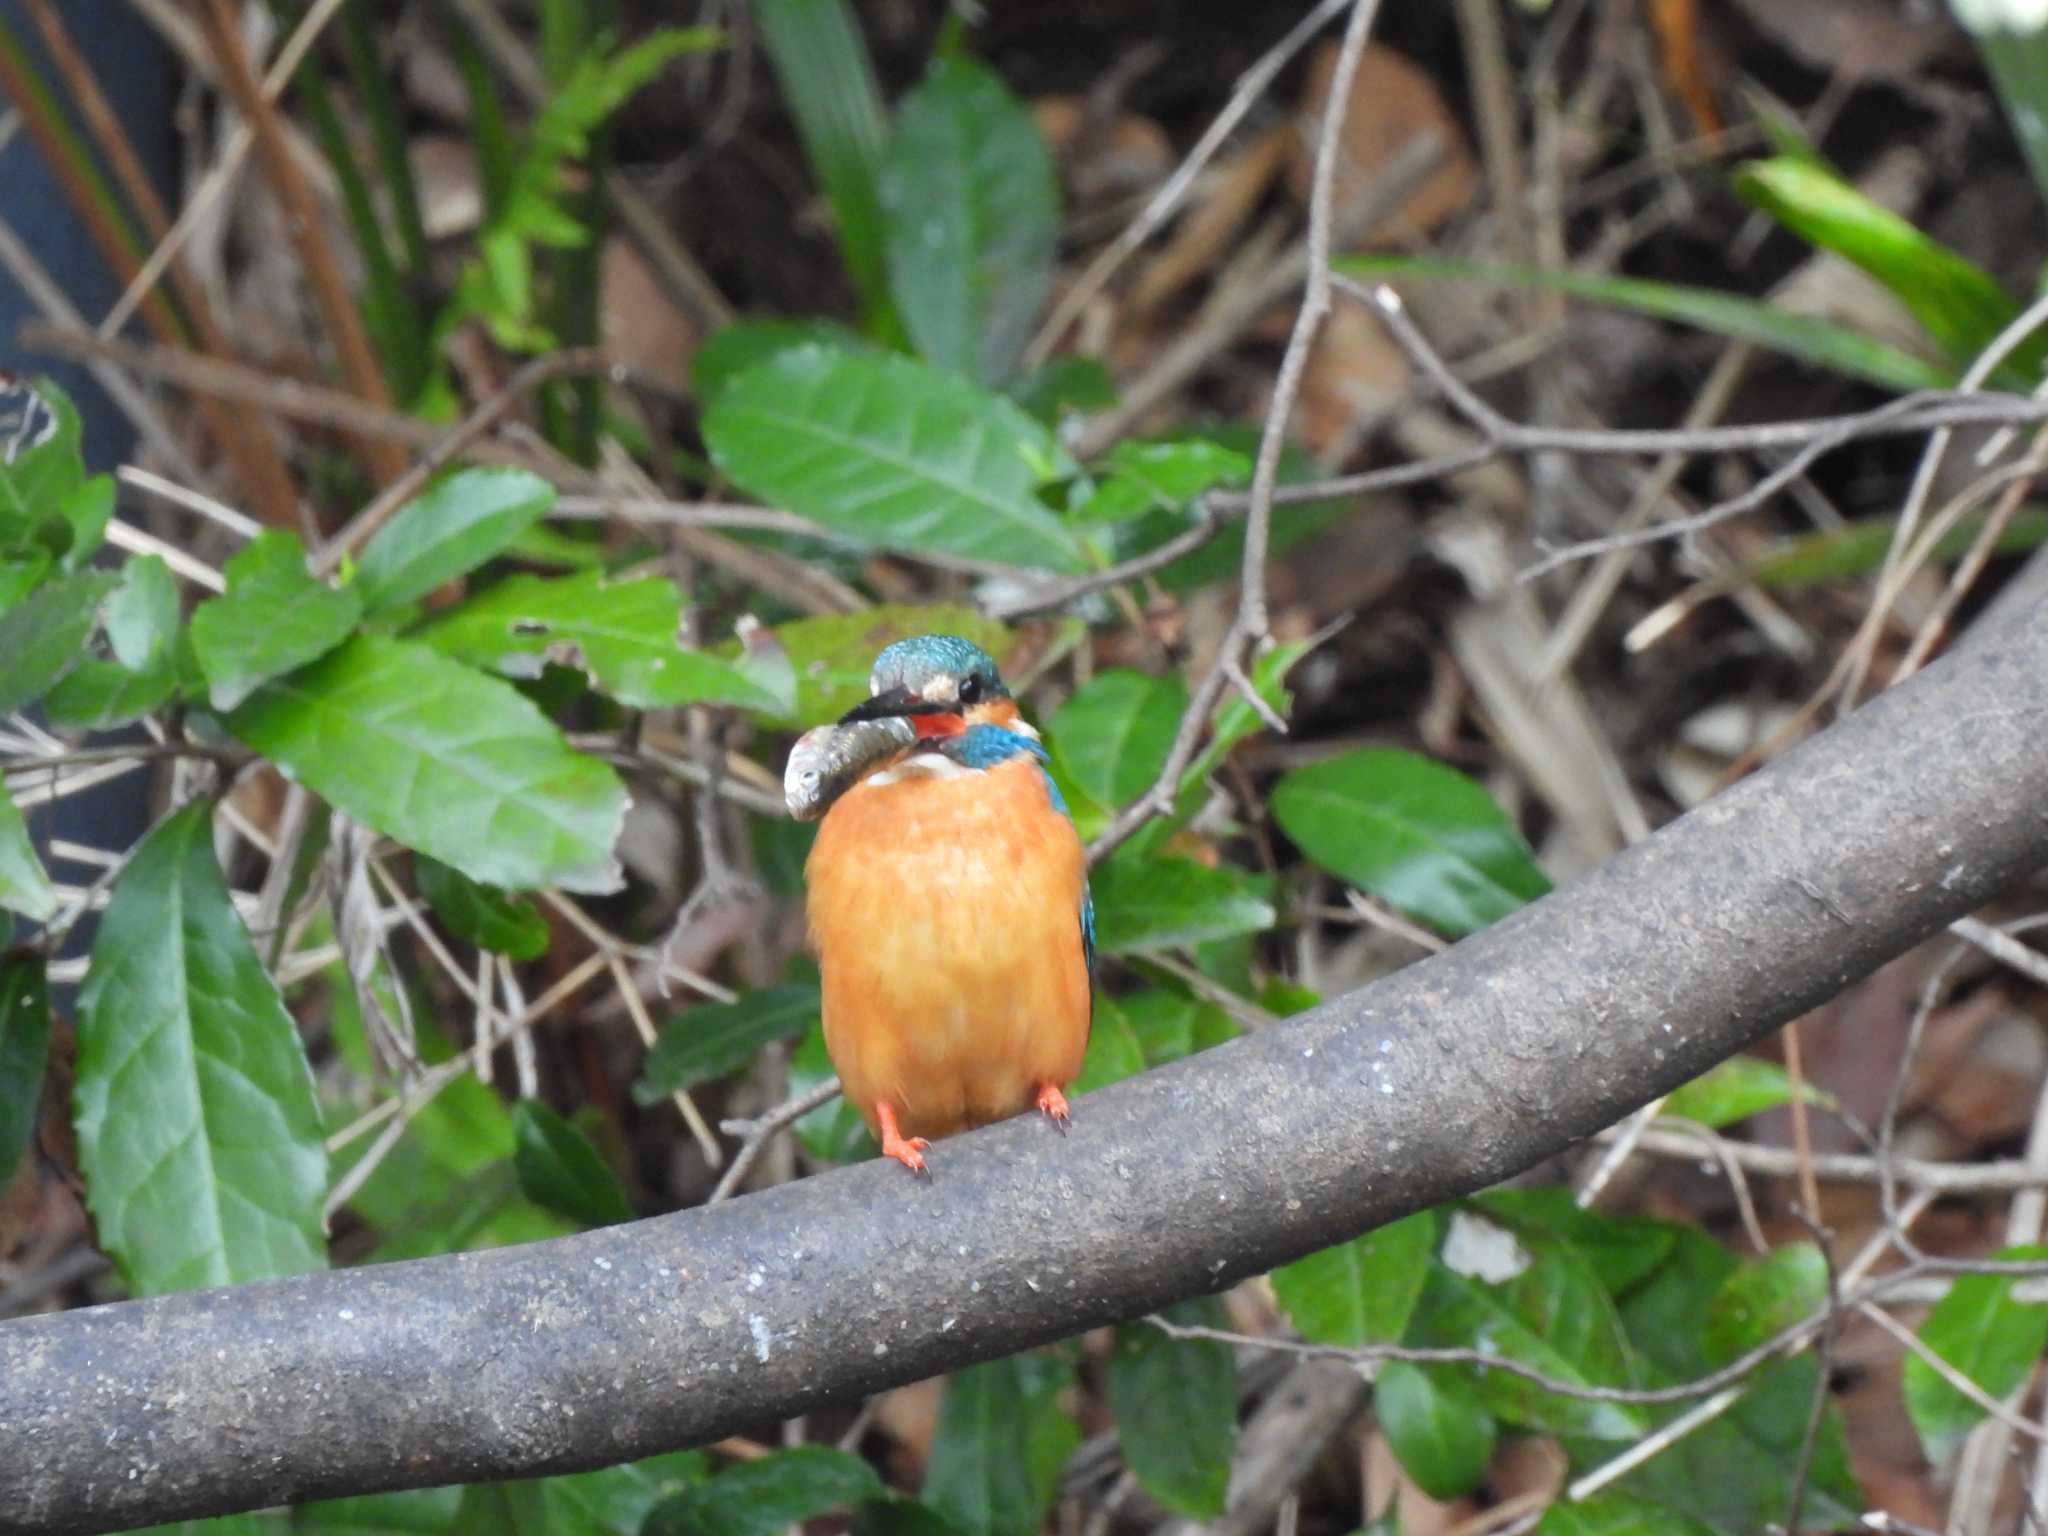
{"x": 828, "y": 760}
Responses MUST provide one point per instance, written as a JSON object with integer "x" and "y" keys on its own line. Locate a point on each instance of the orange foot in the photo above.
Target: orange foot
{"x": 909, "y": 1152}
{"x": 1053, "y": 1103}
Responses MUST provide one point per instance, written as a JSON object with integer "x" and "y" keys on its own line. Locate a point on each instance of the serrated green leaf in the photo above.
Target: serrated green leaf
{"x": 833, "y": 653}
{"x": 273, "y": 618}
{"x": 1163, "y": 475}
{"x": 1958, "y": 303}
{"x": 1412, "y": 832}
{"x": 560, "y": 1170}
{"x": 833, "y": 1132}
{"x": 448, "y": 531}
{"x": 1112, "y": 735}
{"x": 971, "y": 217}
{"x": 1167, "y": 1025}
{"x": 768, "y": 1496}
{"x": 714, "y": 1039}
{"x": 43, "y": 636}
{"x": 24, "y": 1051}
{"x": 1175, "y": 1402}
{"x": 1617, "y": 1514}
{"x": 1735, "y": 1089}
{"x": 896, "y": 454}
{"x": 1988, "y": 1335}
{"x": 487, "y": 917}
{"x": 1145, "y": 904}
{"x": 1362, "y": 1291}
{"x": 1763, "y": 1297}
{"x": 1001, "y": 1442}
{"x": 1736, "y": 316}
{"x": 24, "y": 884}
{"x": 621, "y": 633}
{"x": 445, "y": 759}
{"x": 732, "y": 351}
{"x": 1113, "y": 1051}
{"x": 1436, "y": 1427}
{"x": 198, "y": 1133}
{"x": 1551, "y": 1315}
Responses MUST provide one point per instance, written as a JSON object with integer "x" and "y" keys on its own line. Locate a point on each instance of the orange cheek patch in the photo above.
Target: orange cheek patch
{"x": 938, "y": 725}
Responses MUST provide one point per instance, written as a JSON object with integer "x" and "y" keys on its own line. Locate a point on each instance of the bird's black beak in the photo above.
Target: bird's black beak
{"x": 891, "y": 703}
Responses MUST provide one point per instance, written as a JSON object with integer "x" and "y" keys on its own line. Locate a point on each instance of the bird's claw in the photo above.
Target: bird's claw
{"x": 1053, "y": 1104}
{"x": 909, "y": 1152}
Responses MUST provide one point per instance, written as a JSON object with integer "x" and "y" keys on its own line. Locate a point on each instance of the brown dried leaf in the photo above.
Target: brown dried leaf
{"x": 1391, "y": 101}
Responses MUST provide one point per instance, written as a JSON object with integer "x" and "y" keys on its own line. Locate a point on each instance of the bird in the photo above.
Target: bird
{"x": 948, "y": 905}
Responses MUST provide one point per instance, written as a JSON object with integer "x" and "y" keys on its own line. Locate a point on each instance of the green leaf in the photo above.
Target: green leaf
{"x": 419, "y": 1512}
{"x": 971, "y": 218}
{"x": 484, "y": 915}
{"x": 1001, "y": 1442}
{"x": 829, "y": 86}
{"x": 832, "y": 654}
{"x": 1734, "y": 1090}
{"x": 621, "y": 633}
{"x": 833, "y": 1132}
{"x": 448, "y": 761}
{"x": 895, "y": 454}
{"x": 1551, "y": 1315}
{"x": 1175, "y": 1402}
{"x": 48, "y": 507}
{"x": 1363, "y": 1291}
{"x": 1859, "y": 546}
{"x": 273, "y": 619}
{"x": 1958, "y": 303}
{"x": 24, "y": 1050}
{"x": 1167, "y": 1025}
{"x": 1761, "y": 1298}
{"x": 1617, "y": 1514}
{"x": 1112, "y": 735}
{"x": 1985, "y": 1333}
{"x": 1160, "y": 476}
{"x": 449, "y": 530}
{"x": 98, "y": 695}
{"x": 732, "y": 351}
{"x": 1819, "y": 342}
{"x": 141, "y": 621}
{"x": 613, "y": 1501}
{"x": 1623, "y": 1250}
{"x": 1413, "y": 832}
{"x": 2015, "y": 49}
{"x": 1063, "y": 384}
{"x": 768, "y": 1496}
{"x": 142, "y": 612}
{"x": 559, "y": 1169}
{"x": 1113, "y": 1051}
{"x": 198, "y": 1133}
{"x": 717, "y": 1038}
{"x": 43, "y": 636}
{"x": 1146, "y": 904}
{"x": 1436, "y": 1426}
{"x": 24, "y": 885}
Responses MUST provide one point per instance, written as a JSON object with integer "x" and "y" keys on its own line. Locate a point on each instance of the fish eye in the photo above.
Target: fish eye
{"x": 970, "y": 688}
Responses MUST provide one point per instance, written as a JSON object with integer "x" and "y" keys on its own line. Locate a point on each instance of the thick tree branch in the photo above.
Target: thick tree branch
{"x": 1442, "y": 1079}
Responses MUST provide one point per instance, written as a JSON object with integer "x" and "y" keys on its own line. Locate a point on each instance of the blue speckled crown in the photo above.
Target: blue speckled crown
{"x": 915, "y": 662}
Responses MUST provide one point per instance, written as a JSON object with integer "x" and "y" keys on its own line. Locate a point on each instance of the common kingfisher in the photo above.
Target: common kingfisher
{"x": 948, "y": 903}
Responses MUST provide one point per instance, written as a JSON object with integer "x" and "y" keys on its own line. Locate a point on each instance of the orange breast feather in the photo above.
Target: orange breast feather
{"x": 946, "y": 915}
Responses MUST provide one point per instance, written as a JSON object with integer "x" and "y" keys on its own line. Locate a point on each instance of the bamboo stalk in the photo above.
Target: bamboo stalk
{"x": 302, "y": 215}
{"x": 254, "y": 456}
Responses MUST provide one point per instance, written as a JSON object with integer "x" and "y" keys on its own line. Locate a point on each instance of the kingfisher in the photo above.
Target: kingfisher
{"x": 948, "y": 902}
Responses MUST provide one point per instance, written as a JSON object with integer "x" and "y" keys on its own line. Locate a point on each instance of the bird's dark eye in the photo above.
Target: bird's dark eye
{"x": 970, "y": 688}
